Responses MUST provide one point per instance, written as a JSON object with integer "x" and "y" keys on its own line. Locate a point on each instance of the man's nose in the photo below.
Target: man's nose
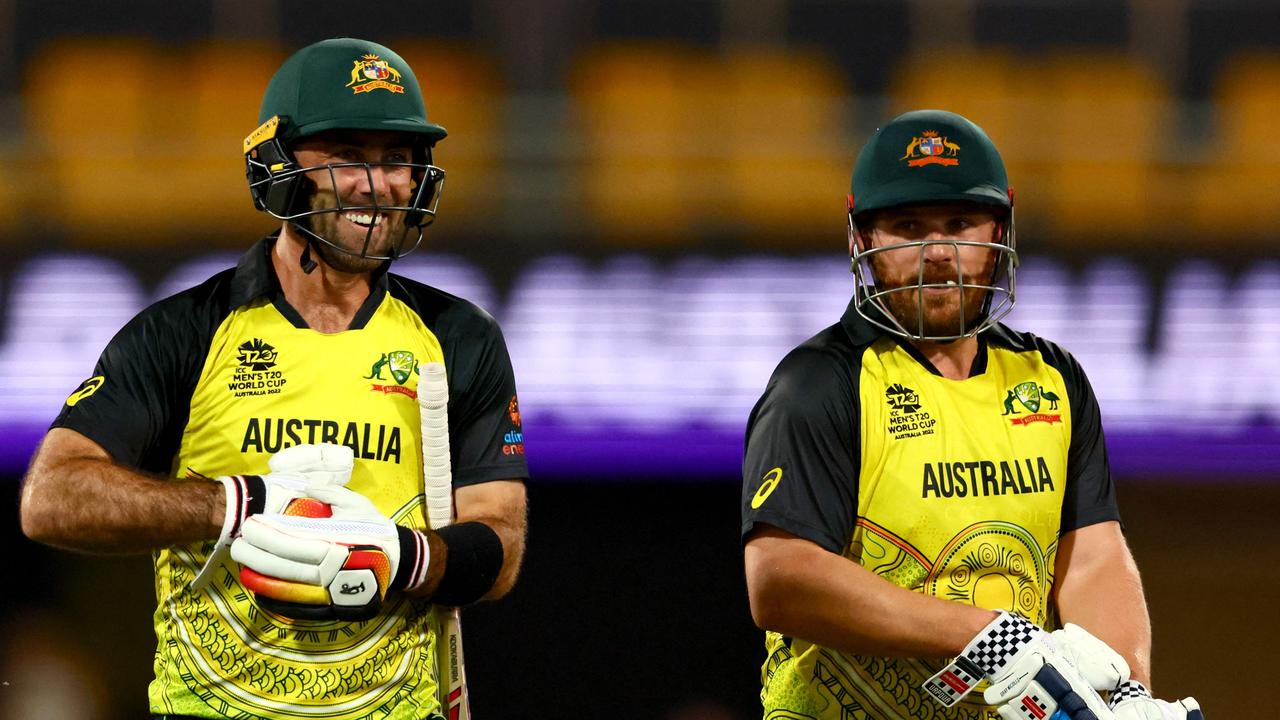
{"x": 373, "y": 182}
{"x": 939, "y": 249}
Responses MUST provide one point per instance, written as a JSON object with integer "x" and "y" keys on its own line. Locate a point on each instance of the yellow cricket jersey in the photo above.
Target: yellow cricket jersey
{"x": 215, "y": 380}
{"x": 958, "y": 489}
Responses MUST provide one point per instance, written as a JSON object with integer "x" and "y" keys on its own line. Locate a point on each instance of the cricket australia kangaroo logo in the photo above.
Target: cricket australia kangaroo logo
{"x": 931, "y": 149}
{"x": 401, "y": 365}
{"x": 1031, "y": 396}
{"x": 373, "y": 73}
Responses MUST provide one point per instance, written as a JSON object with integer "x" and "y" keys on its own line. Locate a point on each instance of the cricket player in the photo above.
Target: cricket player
{"x": 926, "y": 492}
{"x": 280, "y": 397}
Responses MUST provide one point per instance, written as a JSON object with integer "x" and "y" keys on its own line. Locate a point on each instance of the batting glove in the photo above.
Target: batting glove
{"x": 1132, "y": 701}
{"x": 1032, "y": 676}
{"x": 282, "y": 491}
{"x": 339, "y": 567}
{"x": 1103, "y": 668}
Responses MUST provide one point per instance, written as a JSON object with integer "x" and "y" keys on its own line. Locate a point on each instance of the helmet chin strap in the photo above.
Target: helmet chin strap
{"x": 306, "y": 262}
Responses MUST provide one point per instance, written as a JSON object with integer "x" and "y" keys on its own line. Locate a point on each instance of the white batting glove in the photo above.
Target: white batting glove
{"x": 1100, "y": 666}
{"x": 1032, "y": 676}
{"x": 325, "y": 568}
{"x": 1132, "y": 701}
{"x": 283, "y": 490}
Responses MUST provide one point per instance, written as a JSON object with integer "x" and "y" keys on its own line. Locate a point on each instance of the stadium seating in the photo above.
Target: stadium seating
{"x": 1081, "y": 132}
{"x": 680, "y": 141}
{"x": 784, "y": 136}
{"x": 464, "y": 92}
{"x": 222, "y": 101}
{"x": 135, "y": 142}
{"x": 143, "y": 143}
{"x": 92, "y": 118}
{"x": 1236, "y": 192}
{"x": 645, "y": 173}
{"x": 1104, "y": 123}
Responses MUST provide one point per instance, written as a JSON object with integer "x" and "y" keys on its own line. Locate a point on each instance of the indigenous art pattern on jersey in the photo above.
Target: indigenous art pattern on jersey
{"x": 924, "y": 481}
{"x": 216, "y": 380}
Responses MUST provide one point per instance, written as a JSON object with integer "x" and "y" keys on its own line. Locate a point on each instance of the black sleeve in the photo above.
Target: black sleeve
{"x": 484, "y": 414}
{"x": 144, "y": 380}
{"x": 1090, "y": 495}
{"x": 799, "y": 472}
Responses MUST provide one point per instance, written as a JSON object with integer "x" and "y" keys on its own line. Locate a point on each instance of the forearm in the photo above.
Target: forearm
{"x": 1098, "y": 588}
{"x": 801, "y": 590}
{"x": 512, "y": 535}
{"x": 81, "y": 500}
{"x": 500, "y": 506}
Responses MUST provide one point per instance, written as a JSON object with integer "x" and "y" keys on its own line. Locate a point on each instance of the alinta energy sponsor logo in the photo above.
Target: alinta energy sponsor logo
{"x": 371, "y": 73}
{"x": 513, "y": 440}
{"x": 513, "y": 410}
{"x": 931, "y": 149}
{"x": 1030, "y": 396}
{"x": 255, "y": 372}
{"x": 400, "y": 365}
{"x": 907, "y": 418}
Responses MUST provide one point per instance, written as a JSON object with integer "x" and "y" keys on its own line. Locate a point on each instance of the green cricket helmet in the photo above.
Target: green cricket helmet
{"x": 342, "y": 84}
{"x": 929, "y": 157}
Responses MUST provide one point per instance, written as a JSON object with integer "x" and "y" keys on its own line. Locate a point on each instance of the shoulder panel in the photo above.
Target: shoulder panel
{"x": 149, "y": 370}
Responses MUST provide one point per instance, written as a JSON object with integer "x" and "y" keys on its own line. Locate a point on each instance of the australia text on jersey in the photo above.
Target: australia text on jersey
{"x": 985, "y": 478}
{"x": 368, "y": 441}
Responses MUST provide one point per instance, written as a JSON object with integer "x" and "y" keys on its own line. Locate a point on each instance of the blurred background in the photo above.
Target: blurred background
{"x": 649, "y": 196}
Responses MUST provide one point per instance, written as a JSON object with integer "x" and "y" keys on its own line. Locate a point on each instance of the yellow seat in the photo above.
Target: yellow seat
{"x": 644, "y": 171}
{"x": 13, "y": 197}
{"x": 1236, "y": 194}
{"x": 680, "y": 142}
{"x": 220, "y": 103}
{"x": 90, "y": 119}
{"x": 783, "y": 118}
{"x": 1104, "y": 124}
{"x": 464, "y": 92}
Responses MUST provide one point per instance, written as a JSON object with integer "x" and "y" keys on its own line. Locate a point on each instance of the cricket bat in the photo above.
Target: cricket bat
{"x": 437, "y": 482}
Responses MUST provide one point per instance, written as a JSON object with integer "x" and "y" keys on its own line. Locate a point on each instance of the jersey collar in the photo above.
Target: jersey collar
{"x": 255, "y": 277}
{"x": 863, "y": 333}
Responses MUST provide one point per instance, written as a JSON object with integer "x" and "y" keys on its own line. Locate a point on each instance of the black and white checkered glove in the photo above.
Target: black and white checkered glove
{"x": 1132, "y": 701}
{"x": 1033, "y": 674}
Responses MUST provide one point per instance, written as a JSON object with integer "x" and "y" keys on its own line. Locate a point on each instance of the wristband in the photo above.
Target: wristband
{"x": 473, "y": 563}
{"x": 415, "y": 556}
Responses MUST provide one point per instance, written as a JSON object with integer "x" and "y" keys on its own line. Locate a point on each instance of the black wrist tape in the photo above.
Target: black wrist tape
{"x": 256, "y": 492}
{"x": 474, "y": 561}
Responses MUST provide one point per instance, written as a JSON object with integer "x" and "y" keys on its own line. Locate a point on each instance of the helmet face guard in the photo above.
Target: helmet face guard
{"x": 343, "y": 84}
{"x": 931, "y": 157}
{"x": 284, "y": 190}
{"x": 998, "y": 289}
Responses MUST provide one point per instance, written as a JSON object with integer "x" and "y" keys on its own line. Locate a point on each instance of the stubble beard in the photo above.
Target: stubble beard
{"x": 392, "y": 233}
{"x": 941, "y": 317}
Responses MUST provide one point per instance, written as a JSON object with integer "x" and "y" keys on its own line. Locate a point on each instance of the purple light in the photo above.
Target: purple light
{"x": 637, "y": 367}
